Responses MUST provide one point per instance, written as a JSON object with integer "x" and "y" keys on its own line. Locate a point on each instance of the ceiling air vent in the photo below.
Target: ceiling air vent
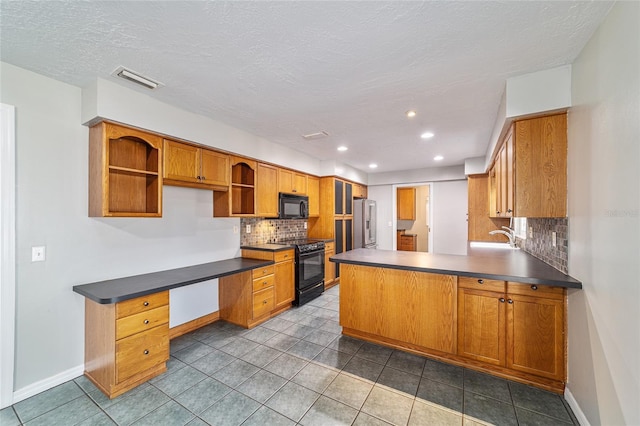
{"x": 317, "y": 135}
{"x": 136, "y": 78}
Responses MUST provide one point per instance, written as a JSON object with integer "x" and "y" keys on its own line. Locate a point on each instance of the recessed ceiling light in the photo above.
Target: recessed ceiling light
{"x": 427, "y": 135}
{"x": 411, "y": 113}
{"x": 438, "y": 158}
{"x": 342, "y": 148}
{"x": 373, "y": 165}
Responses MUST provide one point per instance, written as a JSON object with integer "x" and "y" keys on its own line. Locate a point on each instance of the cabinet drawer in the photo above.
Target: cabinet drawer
{"x": 538, "y": 290}
{"x": 482, "y": 284}
{"x": 281, "y": 256}
{"x": 262, "y": 272}
{"x": 330, "y": 246}
{"x": 262, "y": 283}
{"x": 137, "y": 353}
{"x": 263, "y": 302}
{"x": 141, "y": 304}
{"x": 142, "y": 321}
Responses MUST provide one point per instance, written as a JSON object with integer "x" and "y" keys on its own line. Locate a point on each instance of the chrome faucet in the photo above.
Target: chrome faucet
{"x": 508, "y": 232}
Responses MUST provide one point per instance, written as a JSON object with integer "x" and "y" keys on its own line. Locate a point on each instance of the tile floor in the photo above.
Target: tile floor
{"x": 296, "y": 369}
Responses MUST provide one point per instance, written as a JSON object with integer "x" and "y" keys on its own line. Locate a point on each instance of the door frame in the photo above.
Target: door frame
{"x": 7, "y": 251}
{"x": 394, "y": 217}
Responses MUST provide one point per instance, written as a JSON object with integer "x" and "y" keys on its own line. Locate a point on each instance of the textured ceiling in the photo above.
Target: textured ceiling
{"x": 283, "y": 69}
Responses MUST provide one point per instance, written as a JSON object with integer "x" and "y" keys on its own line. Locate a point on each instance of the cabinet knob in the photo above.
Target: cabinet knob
{"x": 146, "y": 303}
{"x": 497, "y": 212}
{"x": 264, "y": 302}
{"x": 481, "y": 281}
{"x": 203, "y": 177}
{"x": 146, "y": 321}
{"x": 295, "y": 190}
{"x": 509, "y": 211}
{"x": 146, "y": 351}
{"x": 264, "y": 282}
{"x": 510, "y": 302}
{"x": 264, "y": 272}
{"x": 501, "y": 300}
{"x": 534, "y": 287}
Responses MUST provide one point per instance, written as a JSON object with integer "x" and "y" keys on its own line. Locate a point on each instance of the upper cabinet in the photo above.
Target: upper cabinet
{"x": 313, "y": 191}
{"x": 125, "y": 172}
{"x": 406, "y": 203}
{"x": 359, "y": 191}
{"x": 189, "y": 165}
{"x": 267, "y": 191}
{"x": 529, "y": 175}
{"x": 292, "y": 182}
{"x": 479, "y": 222}
{"x": 240, "y": 199}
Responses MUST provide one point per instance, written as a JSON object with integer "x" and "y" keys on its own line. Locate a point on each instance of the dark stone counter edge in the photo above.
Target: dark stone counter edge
{"x": 527, "y": 280}
{"x": 96, "y": 291}
{"x": 259, "y": 248}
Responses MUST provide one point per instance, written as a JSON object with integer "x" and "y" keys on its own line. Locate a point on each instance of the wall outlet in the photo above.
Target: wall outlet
{"x": 553, "y": 239}
{"x": 248, "y": 229}
{"x": 305, "y": 225}
{"x": 531, "y": 232}
{"x": 38, "y": 254}
{"x": 236, "y": 229}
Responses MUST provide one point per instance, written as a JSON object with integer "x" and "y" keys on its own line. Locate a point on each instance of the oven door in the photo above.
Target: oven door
{"x": 310, "y": 269}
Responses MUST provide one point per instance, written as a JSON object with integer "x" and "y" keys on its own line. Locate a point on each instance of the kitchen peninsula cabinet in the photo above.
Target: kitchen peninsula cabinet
{"x": 195, "y": 167}
{"x": 125, "y": 172}
{"x": 529, "y": 173}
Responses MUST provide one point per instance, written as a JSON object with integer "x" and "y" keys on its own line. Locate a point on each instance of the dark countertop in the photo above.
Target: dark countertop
{"x": 269, "y": 247}
{"x": 507, "y": 265}
{"x": 119, "y": 289}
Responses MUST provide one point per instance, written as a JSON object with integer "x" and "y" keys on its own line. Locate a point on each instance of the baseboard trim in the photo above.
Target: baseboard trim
{"x": 48, "y": 383}
{"x": 575, "y": 407}
{"x": 189, "y": 326}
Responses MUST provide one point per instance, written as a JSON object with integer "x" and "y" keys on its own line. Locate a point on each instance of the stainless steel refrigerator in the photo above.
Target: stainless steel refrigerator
{"x": 364, "y": 224}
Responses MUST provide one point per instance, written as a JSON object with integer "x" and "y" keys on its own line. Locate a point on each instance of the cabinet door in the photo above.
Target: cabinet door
{"x": 313, "y": 191}
{"x": 348, "y": 234}
{"x": 480, "y": 224}
{"x": 284, "y": 282}
{"x": 299, "y": 183}
{"x": 181, "y": 161}
{"x": 338, "y": 197}
{"x": 267, "y": 191}
{"x": 509, "y": 176}
{"x": 481, "y": 325}
{"x": 348, "y": 198}
{"x": 406, "y": 203}
{"x": 214, "y": 168}
{"x": 339, "y": 240}
{"x": 329, "y": 267}
{"x": 535, "y": 335}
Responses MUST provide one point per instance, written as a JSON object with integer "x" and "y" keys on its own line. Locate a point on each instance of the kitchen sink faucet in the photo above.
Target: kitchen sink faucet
{"x": 510, "y": 233}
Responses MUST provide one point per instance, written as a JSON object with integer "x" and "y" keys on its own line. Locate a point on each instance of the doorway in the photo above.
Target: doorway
{"x": 413, "y": 218}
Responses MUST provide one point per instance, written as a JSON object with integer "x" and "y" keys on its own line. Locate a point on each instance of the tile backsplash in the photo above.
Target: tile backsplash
{"x": 270, "y": 230}
{"x": 541, "y": 246}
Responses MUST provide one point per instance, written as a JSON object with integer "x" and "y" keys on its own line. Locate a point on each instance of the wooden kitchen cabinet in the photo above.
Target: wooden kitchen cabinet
{"x": 125, "y": 172}
{"x": 407, "y": 242}
{"x": 313, "y": 191}
{"x": 329, "y": 267}
{"x": 406, "y": 203}
{"x": 414, "y": 308}
{"x": 479, "y": 222}
{"x": 359, "y": 191}
{"x": 267, "y": 191}
{"x": 195, "y": 167}
{"x": 292, "y": 182}
{"x": 529, "y": 174}
{"x": 240, "y": 200}
{"x": 126, "y": 343}
{"x": 513, "y": 325}
{"x": 272, "y": 289}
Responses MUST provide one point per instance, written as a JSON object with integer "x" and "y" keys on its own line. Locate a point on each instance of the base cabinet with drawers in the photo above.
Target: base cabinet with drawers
{"x": 126, "y": 343}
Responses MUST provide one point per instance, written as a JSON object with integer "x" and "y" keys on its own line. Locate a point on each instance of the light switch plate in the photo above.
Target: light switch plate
{"x": 531, "y": 232}
{"x": 248, "y": 229}
{"x": 305, "y": 225}
{"x": 553, "y": 239}
{"x": 235, "y": 229}
{"x": 38, "y": 254}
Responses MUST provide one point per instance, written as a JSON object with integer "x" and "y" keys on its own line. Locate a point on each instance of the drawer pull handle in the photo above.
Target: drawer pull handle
{"x": 146, "y": 303}
{"x": 264, "y": 282}
{"x": 510, "y": 302}
{"x": 146, "y": 351}
{"x": 264, "y": 303}
{"x": 480, "y": 281}
{"x": 501, "y": 300}
{"x": 534, "y": 287}
{"x": 146, "y": 321}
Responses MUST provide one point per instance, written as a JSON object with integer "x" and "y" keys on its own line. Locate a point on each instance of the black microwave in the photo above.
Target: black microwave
{"x": 293, "y": 206}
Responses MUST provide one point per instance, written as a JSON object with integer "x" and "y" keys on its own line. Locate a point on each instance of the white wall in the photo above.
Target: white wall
{"x": 604, "y": 228}
{"x": 449, "y": 215}
{"x": 52, "y": 187}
